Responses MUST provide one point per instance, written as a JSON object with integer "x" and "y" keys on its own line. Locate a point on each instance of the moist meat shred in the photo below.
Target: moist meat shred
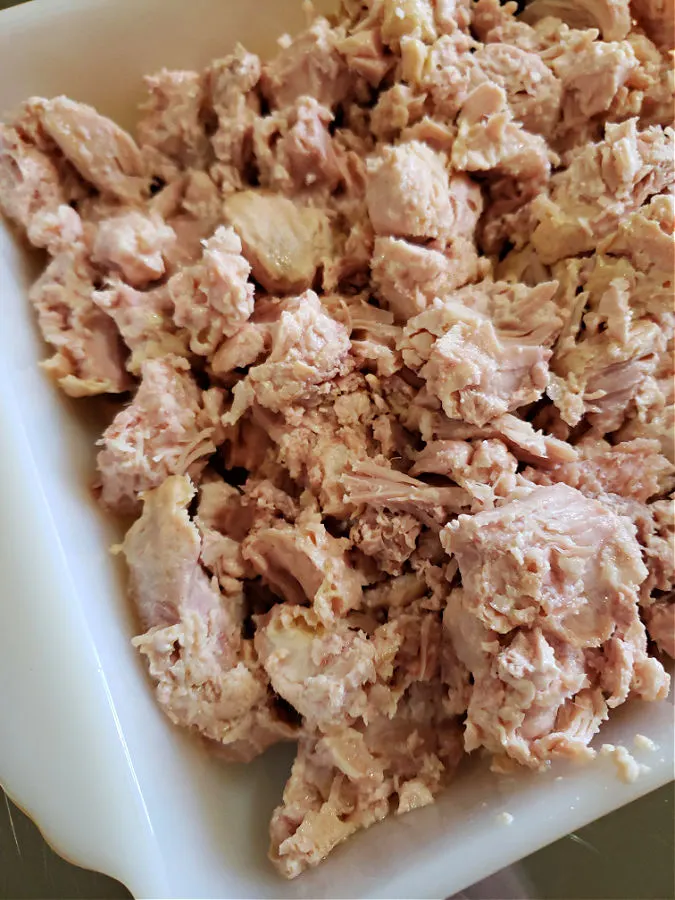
{"x": 388, "y": 323}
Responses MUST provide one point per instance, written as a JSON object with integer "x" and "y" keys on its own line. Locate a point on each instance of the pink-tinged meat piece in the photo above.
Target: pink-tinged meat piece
{"x": 557, "y": 576}
{"x": 323, "y": 672}
{"x": 399, "y": 593}
{"x": 523, "y": 440}
{"x": 144, "y": 320}
{"x": 225, "y": 516}
{"x": 397, "y": 108}
{"x": 365, "y": 55}
{"x": 407, "y": 19}
{"x": 243, "y": 349}
{"x": 646, "y": 237}
{"x": 388, "y": 538}
{"x": 477, "y": 374}
{"x": 523, "y": 265}
{"x": 516, "y": 162}
{"x": 309, "y": 349}
{"x": 612, "y": 18}
{"x": 284, "y": 243}
{"x": 657, "y": 18}
{"x": 533, "y": 91}
{"x": 660, "y": 620}
{"x": 603, "y": 183}
{"x": 162, "y": 549}
{"x": 356, "y": 776}
{"x": 602, "y": 372}
{"x": 89, "y": 356}
{"x": 168, "y": 429}
{"x": 447, "y": 71}
{"x": 135, "y": 245}
{"x": 199, "y": 688}
{"x": 410, "y": 194}
{"x": 104, "y": 155}
{"x": 437, "y": 134}
{"x": 531, "y": 699}
{"x": 653, "y": 88}
{"x": 213, "y": 299}
{"x": 651, "y": 413}
{"x": 372, "y": 332}
{"x": 308, "y": 65}
{"x": 246, "y": 445}
{"x": 634, "y": 469}
{"x": 496, "y": 22}
{"x": 294, "y": 150}
{"x": 32, "y": 195}
{"x": 317, "y": 449}
{"x": 486, "y": 469}
{"x": 488, "y": 139}
{"x": 556, "y": 558}
{"x": 593, "y": 74}
{"x": 563, "y": 563}
{"x": 231, "y": 84}
{"x": 172, "y": 118}
{"x": 659, "y": 545}
{"x": 207, "y": 677}
{"x": 381, "y": 487}
{"x": 483, "y": 350}
{"x": 304, "y": 563}
{"x": 201, "y": 198}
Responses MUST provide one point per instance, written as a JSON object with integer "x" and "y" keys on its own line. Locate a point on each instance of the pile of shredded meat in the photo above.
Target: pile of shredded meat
{"x": 390, "y": 321}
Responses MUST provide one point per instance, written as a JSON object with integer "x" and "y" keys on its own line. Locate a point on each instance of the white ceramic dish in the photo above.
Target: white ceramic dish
{"x": 82, "y": 746}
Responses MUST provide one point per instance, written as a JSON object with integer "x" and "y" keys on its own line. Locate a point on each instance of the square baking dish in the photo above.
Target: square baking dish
{"x": 83, "y": 747}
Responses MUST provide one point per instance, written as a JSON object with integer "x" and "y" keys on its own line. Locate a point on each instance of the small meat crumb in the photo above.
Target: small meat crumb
{"x": 504, "y": 818}
{"x": 627, "y": 767}
{"x": 642, "y": 742}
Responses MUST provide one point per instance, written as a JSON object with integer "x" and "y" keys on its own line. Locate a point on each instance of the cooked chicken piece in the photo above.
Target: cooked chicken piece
{"x": 365, "y": 55}
{"x": 384, "y": 488}
{"x": 295, "y": 151}
{"x": 168, "y": 429}
{"x": 213, "y": 299}
{"x": 603, "y": 183}
{"x": 532, "y": 90}
{"x": 89, "y": 355}
{"x": 484, "y": 362}
{"x": 389, "y": 538}
{"x": 172, "y": 117}
{"x": 32, "y": 194}
{"x": 308, "y": 65}
{"x": 232, "y": 87}
{"x": 409, "y": 277}
{"x": 144, "y": 320}
{"x": 612, "y": 18}
{"x": 558, "y": 575}
{"x": 353, "y": 778}
{"x": 323, "y": 672}
{"x": 410, "y": 194}
{"x": 135, "y": 245}
{"x": 486, "y": 469}
{"x": 283, "y": 242}
{"x": 303, "y": 563}
{"x": 104, "y": 155}
{"x": 308, "y": 350}
{"x": 207, "y": 676}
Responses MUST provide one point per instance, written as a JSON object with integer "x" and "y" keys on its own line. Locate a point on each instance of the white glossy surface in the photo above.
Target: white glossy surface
{"x": 82, "y": 747}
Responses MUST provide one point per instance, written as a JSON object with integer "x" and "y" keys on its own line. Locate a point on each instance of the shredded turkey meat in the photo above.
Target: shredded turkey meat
{"x": 385, "y": 324}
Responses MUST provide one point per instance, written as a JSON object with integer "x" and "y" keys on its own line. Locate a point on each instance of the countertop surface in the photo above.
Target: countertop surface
{"x": 625, "y": 856}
